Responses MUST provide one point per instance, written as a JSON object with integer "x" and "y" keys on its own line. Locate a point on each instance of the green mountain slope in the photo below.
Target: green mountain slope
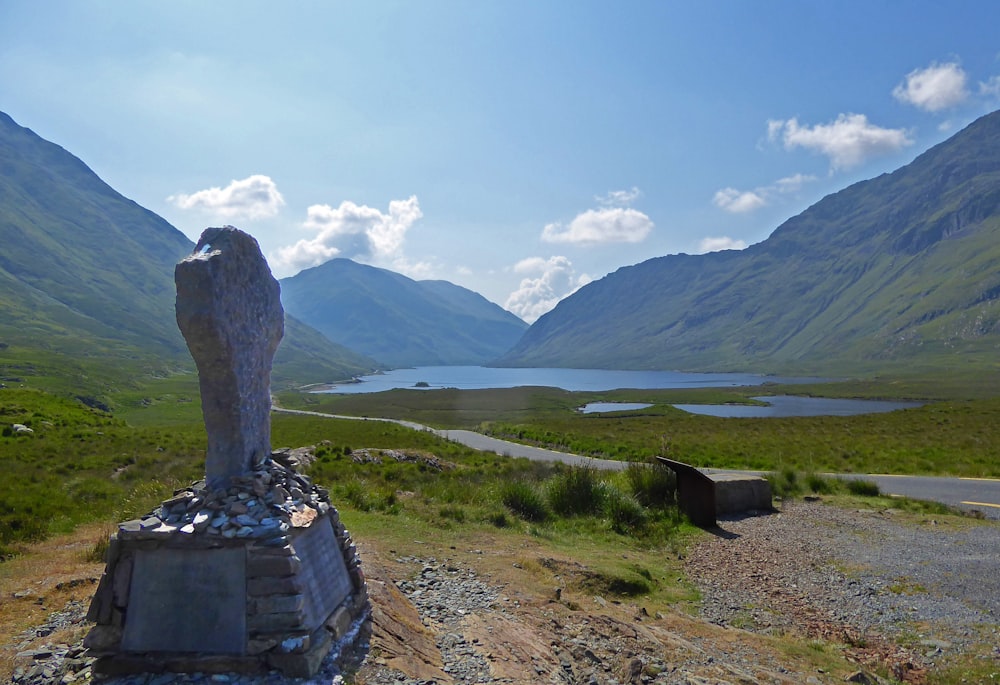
{"x": 397, "y": 320}
{"x": 86, "y": 274}
{"x": 901, "y": 271}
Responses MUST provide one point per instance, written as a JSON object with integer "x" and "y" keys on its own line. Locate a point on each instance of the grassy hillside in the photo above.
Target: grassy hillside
{"x": 87, "y": 287}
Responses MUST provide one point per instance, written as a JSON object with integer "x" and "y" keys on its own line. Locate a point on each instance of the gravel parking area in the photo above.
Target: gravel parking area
{"x": 899, "y": 592}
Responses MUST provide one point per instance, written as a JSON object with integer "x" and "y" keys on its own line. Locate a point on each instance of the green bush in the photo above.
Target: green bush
{"x": 524, "y": 500}
{"x": 864, "y": 488}
{"x": 653, "y": 485}
{"x": 453, "y": 512}
{"x": 785, "y": 483}
{"x": 576, "y": 491}
{"x": 625, "y": 513}
{"x": 499, "y": 519}
{"x": 821, "y": 485}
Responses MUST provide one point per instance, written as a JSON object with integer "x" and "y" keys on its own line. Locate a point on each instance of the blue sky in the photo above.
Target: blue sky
{"x": 516, "y": 148}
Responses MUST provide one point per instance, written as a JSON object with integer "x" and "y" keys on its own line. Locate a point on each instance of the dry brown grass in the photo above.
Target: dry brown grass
{"x": 43, "y": 579}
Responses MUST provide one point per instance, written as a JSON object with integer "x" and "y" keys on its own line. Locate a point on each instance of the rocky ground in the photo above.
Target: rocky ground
{"x": 894, "y": 596}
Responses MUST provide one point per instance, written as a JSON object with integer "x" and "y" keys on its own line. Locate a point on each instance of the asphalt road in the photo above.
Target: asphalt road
{"x": 979, "y": 494}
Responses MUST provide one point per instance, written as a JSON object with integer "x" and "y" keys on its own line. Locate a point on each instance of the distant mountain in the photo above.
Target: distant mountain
{"x": 88, "y": 274}
{"x": 903, "y": 269}
{"x": 397, "y": 320}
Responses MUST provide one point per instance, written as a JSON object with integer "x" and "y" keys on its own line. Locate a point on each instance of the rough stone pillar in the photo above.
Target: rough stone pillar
{"x": 229, "y": 310}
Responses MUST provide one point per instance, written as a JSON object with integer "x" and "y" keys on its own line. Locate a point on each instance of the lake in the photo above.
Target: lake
{"x": 595, "y": 380}
{"x": 574, "y": 380}
{"x": 786, "y": 405}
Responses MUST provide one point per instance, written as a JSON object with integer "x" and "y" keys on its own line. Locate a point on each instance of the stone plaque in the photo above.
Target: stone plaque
{"x": 188, "y": 601}
{"x": 324, "y": 575}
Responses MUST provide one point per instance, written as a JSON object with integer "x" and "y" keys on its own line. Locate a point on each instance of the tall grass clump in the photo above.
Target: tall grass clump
{"x": 785, "y": 483}
{"x": 625, "y": 513}
{"x": 576, "y": 491}
{"x": 821, "y": 485}
{"x": 524, "y": 500}
{"x": 863, "y": 488}
{"x": 653, "y": 485}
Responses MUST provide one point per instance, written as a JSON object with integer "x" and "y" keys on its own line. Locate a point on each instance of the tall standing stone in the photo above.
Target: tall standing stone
{"x": 204, "y": 583}
{"x": 229, "y": 311}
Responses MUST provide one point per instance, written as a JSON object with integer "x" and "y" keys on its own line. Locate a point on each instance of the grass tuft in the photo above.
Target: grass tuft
{"x": 524, "y": 500}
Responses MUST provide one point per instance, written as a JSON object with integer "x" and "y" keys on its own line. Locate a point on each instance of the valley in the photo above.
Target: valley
{"x": 888, "y": 286}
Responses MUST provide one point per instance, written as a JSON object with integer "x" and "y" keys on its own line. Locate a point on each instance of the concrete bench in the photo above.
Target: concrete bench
{"x": 703, "y": 497}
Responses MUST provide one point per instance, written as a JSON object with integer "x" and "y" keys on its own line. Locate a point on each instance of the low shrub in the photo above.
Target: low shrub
{"x": 455, "y": 513}
{"x": 653, "y": 485}
{"x": 625, "y": 513}
{"x": 576, "y": 491}
{"x": 785, "y": 483}
{"x": 821, "y": 485}
{"x": 524, "y": 500}
{"x": 864, "y": 488}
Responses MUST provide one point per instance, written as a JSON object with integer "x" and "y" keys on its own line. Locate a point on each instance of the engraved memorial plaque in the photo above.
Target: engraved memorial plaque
{"x": 187, "y": 601}
{"x": 324, "y": 574}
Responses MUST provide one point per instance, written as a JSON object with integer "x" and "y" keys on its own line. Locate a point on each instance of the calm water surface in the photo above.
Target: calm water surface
{"x": 598, "y": 407}
{"x": 786, "y": 405}
{"x": 481, "y": 377}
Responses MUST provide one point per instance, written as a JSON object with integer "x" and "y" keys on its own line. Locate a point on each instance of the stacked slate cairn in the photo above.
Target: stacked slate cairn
{"x": 251, "y": 569}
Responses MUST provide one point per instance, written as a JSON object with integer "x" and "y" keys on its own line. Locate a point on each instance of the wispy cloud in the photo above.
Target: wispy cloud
{"x": 545, "y": 283}
{"x": 935, "y": 88}
{"x": 619, "y": 198}
{"x": 720, "y": 243}
{"x": 254, "y": 197}
{"x": 743, "y": 201}
{"x": 848, "y": 141}
{"x": 990, "y": 87}
{"x": 356, "y": 232}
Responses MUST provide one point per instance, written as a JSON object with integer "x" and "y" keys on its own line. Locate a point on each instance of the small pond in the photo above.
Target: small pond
{"x": 789, "y": 405}
{"x": 596, "y": 407}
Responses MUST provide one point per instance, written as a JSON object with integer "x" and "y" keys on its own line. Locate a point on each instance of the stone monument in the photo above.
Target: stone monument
{"x": 250, "y": 569}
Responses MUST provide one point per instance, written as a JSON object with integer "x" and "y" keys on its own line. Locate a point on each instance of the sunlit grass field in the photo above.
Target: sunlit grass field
{"x": 83, "y": 468}
{"x": 83, "y": 464}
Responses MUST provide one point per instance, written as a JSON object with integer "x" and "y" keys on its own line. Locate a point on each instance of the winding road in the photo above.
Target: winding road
{"x": 979, "y": 494}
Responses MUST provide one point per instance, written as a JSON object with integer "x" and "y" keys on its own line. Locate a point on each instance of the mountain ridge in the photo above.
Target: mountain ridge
{"x": 87, "y": 273}
{"x": 398, "y": 320}
{"x": 898, "y": 269}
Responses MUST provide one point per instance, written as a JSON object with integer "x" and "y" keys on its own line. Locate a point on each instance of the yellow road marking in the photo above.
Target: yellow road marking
{"x": 890, "y": 475}
{"x": 982, "y": 504}
{"x": 988, "y": 480}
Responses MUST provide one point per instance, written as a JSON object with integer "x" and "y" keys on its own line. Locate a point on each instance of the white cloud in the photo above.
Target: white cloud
{"x": 720, "y": 243}
{"x": 619, "y": 198}
{"x": 743, "y": 201}
{"x": 790, "y": 184}
{"x": 738, "y": 202}
{"x": 935, "y": 88}
{"x": 848, "y": 141}
{"x": 255, "y": 197}
{"x": 597, "y": 226}
{"x": 546, "y": 282}
{"x": 356, "y": 232}
{"x": 990, "y": 87}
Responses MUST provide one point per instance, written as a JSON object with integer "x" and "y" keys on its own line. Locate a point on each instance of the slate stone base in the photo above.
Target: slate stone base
{"x": 206, "y": 601}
